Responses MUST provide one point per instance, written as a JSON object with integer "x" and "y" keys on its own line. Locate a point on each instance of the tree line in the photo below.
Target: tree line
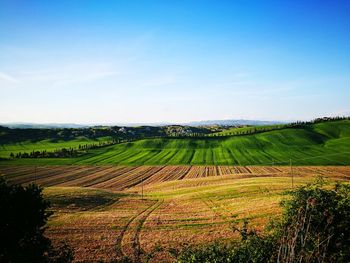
{"x": 261, "y": 129}
{"x": 82, "y": 149}
{"x": 64, "y": 152}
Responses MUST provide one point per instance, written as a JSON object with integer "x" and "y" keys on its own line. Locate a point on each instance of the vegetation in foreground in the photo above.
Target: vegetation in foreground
{"x": 106, "y": 226}
{"x": 314, "y": 228}
{"x": 101, "y": 225}
{"x": 24, "y": 214}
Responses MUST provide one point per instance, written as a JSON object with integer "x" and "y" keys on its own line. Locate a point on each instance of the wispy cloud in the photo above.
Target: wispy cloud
{"x": 68, "y": 75}
{"x": 7, "y": 78}
{"x": 85, "y": 78}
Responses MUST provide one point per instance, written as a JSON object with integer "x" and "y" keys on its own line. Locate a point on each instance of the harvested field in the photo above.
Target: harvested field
{"x": 118, "y": 178}
{"x": 100, "y": 212}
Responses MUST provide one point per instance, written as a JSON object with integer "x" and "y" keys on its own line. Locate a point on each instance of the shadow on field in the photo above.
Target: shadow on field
{"x": 82, "y": 201}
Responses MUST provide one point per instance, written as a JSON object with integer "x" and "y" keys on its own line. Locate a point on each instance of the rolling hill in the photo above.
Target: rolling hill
{"x": 326, "y": 143}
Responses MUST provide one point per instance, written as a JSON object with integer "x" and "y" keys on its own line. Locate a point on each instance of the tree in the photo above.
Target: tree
{"x": 22, "y": 223}
{"x": 23, "y": 217}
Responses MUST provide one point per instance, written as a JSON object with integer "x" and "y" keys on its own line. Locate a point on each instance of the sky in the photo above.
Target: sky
{"x": 173, "y": 61}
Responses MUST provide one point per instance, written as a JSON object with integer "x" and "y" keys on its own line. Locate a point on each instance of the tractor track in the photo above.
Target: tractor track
{"x": 134, "y": 226}
{"x": 138, "y": 251}
{"x": 119, "y": 239}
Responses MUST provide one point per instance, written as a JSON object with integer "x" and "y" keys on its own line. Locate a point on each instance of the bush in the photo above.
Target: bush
{"x": 315, "y": 225}
{"x": 24, "y": 214}
{"x": 314, "y": 228}
{"x": 23, "y": 217}
{"x": 252, "y": 248}
{"x": 62, "y": 253}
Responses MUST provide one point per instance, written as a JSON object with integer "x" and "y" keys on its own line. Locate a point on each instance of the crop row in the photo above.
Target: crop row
{"x": 124, "y": 177}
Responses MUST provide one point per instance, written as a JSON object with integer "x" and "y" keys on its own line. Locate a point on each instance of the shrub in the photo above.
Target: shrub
{"x": 61, "y": 253}
{"x": 252, "y": 248}
{"x": 23, "y": 217}
{"x": 314, "y": 228}
{"x": 315, "y": 225}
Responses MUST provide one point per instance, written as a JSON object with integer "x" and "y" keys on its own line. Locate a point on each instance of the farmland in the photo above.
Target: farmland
{"x": 121, "y": 178}
{"x": 46, "y": 145}
{"x": 101, "y": 213}
{"x": 174, "y": 131}
{"x": 150, "y": 196}
{"x": 15, "y": 140}
{"x": 318, "y": 144}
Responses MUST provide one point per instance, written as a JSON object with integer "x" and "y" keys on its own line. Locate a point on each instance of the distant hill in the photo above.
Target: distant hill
{"x": 240, "y": 122}
{"x": 25, "y": 125}
{"x": 54, "y": 134}
{"x": 233, "y": 122}
{"x": 324, "y": 142}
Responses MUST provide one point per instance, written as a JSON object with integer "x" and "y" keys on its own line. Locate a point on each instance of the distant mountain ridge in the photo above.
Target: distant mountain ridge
{"x": 25, "y": 125}
{"x": 233, "y": 122}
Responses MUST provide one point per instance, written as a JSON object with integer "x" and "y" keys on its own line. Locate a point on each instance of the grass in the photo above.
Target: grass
{"x": 48, "y": 145}
{"x": 319, "y": 144}
{"x": 199, "y": 216}
{"x": 99, "y": 223}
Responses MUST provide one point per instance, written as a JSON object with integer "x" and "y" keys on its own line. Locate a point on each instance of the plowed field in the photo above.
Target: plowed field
{"x": 100, "y": 210}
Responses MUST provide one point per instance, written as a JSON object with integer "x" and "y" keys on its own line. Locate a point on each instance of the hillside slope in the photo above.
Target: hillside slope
{"x": 317, "y": 144}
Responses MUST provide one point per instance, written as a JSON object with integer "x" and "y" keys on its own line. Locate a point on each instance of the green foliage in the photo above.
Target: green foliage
{"x": 314, "y": 228}
{"x": 251, "y": 130}
{"x": 23, "y": 217}
{"x": 252, "y": 248}
{"x": 16, "y": 135}
{"x": 213, "y": 253}
{"x": 24, "y": 214}
{"x": 62, "y": 253}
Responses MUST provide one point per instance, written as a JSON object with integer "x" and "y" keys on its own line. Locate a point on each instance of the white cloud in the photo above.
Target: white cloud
{"x": 7, "y": 78}
{"x": 66, "y": 75}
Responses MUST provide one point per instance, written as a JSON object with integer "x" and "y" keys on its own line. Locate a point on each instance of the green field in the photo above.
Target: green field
{"x": 48, "y": 145}
{"x": 325, "y": 143}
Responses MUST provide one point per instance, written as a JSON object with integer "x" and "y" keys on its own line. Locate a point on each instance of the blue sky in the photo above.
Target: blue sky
{"x": 175, "y": 61}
